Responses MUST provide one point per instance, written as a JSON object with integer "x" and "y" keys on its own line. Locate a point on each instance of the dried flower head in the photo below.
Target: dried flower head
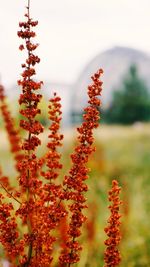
{"x": 42, "y": 202}
{"x": 112, "y": 256}
{"x": 75, "y": 181}
{"x": 13, "y": 133}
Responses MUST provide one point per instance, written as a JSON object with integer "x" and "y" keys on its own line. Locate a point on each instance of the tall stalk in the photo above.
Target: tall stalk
{"x": 30, "y": 101}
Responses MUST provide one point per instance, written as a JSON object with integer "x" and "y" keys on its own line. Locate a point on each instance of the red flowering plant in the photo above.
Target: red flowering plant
{"x": 112, "y": 255}
{"x": 43, "y": 204}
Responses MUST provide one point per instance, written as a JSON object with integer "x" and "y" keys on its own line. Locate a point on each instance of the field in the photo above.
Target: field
{"x": 123, "y": 153}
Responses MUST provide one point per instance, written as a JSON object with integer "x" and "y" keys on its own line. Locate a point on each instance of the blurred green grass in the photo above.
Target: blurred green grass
{"x": 123, "y": 153}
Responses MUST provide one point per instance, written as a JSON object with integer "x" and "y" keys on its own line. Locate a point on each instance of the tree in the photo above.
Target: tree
{"x": 132, "y": 102}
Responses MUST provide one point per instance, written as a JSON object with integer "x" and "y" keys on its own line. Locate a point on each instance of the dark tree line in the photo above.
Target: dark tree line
{"x": 130, "y": 102}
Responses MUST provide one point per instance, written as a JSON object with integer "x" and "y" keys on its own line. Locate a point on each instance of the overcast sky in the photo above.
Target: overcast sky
{"x": 71, "y": 33}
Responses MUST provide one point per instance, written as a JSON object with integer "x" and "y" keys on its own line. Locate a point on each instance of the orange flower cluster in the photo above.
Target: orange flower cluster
{"x": 52, "y": 210}
{"x": 75, "y": 181}
{"x": 112, "y": 255}
{"x": 53, "y": 157}
{"x": 29, "y": 98}
{"x": 41, "y": 200}
{"x": 32, "y": 209}
{"x": 13, "y": 133}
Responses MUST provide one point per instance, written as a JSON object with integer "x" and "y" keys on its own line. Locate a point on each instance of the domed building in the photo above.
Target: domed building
{"x": 115, "y": 63}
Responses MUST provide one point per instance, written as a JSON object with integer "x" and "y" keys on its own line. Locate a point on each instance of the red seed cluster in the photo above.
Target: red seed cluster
{"x": 29, "y": 97}
{"x": 13, "y": 133}
{"x": 53, "y": 157}
{"x": 112, "y": 255}
{"x": 52, "y": 192}
{"x": 32, "y": 210}
{"x": 75, "y": 181}
{"x": 8, "y": 231}
{"x": 44, "y": 206}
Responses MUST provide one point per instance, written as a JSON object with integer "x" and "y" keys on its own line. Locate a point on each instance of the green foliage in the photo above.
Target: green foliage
{"x": 131, "y": 103}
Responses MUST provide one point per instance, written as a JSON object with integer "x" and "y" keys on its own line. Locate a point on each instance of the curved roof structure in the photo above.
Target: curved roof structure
{"x": 115, "y": 63}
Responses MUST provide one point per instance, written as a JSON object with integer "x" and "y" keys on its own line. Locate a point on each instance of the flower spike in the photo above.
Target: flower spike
{"x": 112, "y": 255}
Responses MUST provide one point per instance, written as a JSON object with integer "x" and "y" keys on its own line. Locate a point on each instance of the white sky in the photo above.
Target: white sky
{"x": 70, "y": 33}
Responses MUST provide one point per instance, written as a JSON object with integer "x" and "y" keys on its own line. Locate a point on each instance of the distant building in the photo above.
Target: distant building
{"x": 115, "y": 63}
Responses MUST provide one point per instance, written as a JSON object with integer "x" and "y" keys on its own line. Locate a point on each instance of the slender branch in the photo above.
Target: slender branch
{"x": 32, "y": 126}
{"x": 10, "y": 194}
{"x": 29, "y": 152}
{"x": 28, "y": 7}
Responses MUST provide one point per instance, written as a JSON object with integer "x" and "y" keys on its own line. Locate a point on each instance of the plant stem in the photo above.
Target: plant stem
{"x": 10, "y": 194}
{"x": 29, "y": 152}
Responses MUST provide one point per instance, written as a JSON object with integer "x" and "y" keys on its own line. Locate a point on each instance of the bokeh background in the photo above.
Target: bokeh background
{"x": 76, "y": 38}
